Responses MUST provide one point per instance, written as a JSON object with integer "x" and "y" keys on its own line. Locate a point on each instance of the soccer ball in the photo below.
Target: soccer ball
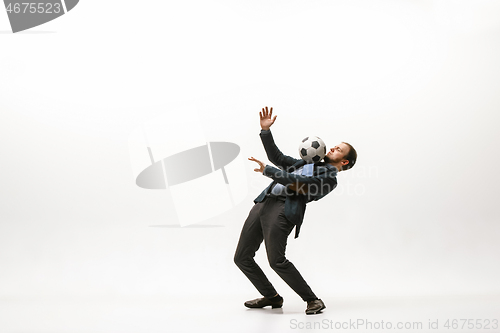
{"x": 312, "y": 149}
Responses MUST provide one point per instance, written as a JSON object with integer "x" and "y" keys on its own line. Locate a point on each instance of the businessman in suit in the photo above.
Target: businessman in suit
{"x": 279, "y": 209}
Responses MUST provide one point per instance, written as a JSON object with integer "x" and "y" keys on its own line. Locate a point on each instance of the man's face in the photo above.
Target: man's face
{"x": 337, "y": 153}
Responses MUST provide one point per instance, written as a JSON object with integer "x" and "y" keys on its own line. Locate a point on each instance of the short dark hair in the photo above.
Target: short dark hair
{"x": 351, "y": 156}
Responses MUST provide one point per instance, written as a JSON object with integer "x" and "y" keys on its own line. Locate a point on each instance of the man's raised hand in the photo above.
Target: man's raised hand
{"x": 266, "y": 119}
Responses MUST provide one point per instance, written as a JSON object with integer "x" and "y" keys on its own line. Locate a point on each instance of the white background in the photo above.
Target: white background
{"x": 413, "y": 85}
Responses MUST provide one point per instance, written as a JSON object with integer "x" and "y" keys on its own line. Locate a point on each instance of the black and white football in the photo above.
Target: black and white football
{"x": 312, "y": 149}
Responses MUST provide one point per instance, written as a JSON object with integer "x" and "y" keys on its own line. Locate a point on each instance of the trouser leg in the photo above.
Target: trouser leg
{"x": 276, "y": 229}
{"x": 250, "y": 239}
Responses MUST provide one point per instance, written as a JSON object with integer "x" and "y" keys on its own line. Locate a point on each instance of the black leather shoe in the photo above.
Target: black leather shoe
{"x": 314, "y": 307}
{"x": 262, "y": 302}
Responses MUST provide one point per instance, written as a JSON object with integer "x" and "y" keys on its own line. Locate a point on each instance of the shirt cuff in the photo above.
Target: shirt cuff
{"x": 264, "y": 171}
{"x": 265, "y": 131}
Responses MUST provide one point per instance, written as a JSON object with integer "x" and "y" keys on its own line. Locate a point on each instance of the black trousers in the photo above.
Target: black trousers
{"x": 267, "y": 222}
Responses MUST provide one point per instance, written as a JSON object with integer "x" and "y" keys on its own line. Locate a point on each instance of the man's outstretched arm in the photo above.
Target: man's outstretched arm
{"x": 324, "y": 182}
{"x": 273, "y": 153}
{"x": 328, "y": 176}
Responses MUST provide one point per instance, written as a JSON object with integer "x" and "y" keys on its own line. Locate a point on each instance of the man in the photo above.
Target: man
{"x": 280, "y": 208}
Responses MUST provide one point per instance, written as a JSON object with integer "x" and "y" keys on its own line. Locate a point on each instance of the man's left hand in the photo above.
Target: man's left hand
{"x": 262, "y": 165}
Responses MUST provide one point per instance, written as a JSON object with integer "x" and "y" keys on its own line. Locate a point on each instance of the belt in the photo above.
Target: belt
{"x": 277, "y": 197}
